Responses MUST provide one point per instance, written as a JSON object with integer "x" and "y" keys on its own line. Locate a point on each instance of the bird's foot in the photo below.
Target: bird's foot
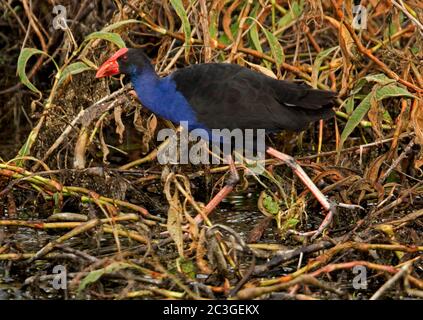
{"x": 327, "y": 220}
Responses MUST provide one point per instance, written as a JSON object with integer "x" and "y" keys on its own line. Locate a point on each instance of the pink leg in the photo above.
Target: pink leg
{"x": 227, "y": 189}
{"x": 310, "y": 185}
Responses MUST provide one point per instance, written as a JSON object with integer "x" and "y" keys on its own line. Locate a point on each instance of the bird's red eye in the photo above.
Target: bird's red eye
{"x": 124, "y": 57}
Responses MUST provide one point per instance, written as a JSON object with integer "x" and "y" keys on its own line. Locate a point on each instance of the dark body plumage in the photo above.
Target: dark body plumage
{"x": 225, "y": 96}
{"x": 230, "y": 96}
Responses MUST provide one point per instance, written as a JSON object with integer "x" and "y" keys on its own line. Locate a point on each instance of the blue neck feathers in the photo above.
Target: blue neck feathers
{"x": 161, "y": 97}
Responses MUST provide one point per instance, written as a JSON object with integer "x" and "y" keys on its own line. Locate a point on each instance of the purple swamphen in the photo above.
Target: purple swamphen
{"x": 218, "y": 96}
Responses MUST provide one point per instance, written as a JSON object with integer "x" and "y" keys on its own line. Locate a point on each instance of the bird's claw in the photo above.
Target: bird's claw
{"x": 328, "y": 219}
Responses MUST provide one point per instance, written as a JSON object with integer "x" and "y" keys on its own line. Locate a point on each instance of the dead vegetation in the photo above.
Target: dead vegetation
{"x": 80, "y": 186}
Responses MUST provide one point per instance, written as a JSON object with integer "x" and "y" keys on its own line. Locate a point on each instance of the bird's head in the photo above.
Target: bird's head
{"x": 126, "y": 61}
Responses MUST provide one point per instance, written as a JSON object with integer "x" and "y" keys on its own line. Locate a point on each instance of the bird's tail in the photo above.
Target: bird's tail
{"x": 305, "y": 104}
{"x": 302, "y": 95}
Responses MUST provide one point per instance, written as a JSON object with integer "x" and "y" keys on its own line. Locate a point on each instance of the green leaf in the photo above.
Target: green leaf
{"x": 255, "y": 39}
{"x": 119, "y": 24}
{"x": 187, "y": 267}
{"x": 380, "y": 78}
{"x": 292, "y": 223}
{"x": 24, "y": 56}
{"x": 297, "y": 8}
{"x": 93, "y": 276}
{"x": 213, "y": 27}
{"x": 72, "y": 69}
{"x": 108, "y": 36}
{"x": 254, "y": 35}
{"x": 349, "y": 104}
{"x": 224, "y": 39}
{"x": 26, "y": 148}
{"x": 180, "y": 11}
{"x": 390, "y": 90}
{"x": 275, "y": 47}
{"x": 318, "y": 62}
{"x": 295, "y": 11}
{"x": 415, "y": 50}
{"x": 387, "y": 117}
{"x": 235, "y": 29}
{"x": 270, "y": 205}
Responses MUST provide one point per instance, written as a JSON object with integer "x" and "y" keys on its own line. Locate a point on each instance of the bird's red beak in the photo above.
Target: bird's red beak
{"x": 111, "y": 66}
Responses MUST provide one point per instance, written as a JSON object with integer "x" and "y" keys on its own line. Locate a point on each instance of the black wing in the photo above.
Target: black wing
{"x": 231, "y": 96}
